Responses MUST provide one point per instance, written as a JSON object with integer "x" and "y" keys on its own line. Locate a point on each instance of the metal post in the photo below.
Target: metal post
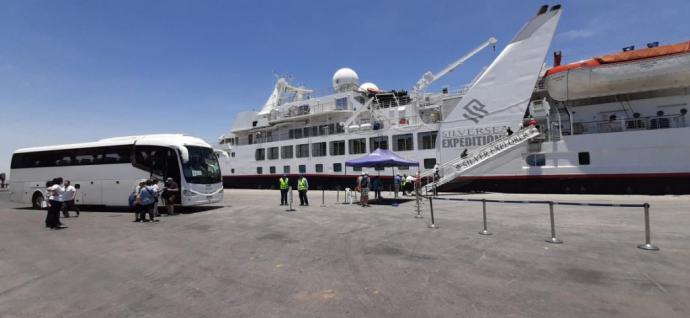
{"x": 484, "y": 231}
{"x": 431, "y": 207}
{"x": 290, "y": 199}
{"x": 419, "y": 208}
{"x": 323, "y": 197}
{"x": 337, "y": 196}
{"x": 553, "y": 238}
{"x": 647, "y": 232}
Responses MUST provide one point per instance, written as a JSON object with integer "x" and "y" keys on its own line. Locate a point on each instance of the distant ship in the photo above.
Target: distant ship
{"x": 612, "y": 124}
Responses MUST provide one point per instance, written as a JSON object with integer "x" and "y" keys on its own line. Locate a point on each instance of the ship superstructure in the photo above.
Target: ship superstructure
{"x": 613, "y": 124}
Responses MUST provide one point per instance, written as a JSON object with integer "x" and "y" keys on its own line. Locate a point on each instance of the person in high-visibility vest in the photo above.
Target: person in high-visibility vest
{"x": 284, "y": 184}
{"x": 302, "y": 187}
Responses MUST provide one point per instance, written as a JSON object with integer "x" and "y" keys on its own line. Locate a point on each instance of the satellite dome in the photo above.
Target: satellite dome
{"x": 368, "y": 87}
{"x": 345, "y": 79}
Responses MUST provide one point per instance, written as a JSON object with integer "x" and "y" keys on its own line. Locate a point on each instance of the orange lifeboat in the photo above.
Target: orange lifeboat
{"x": 626, "y": 72}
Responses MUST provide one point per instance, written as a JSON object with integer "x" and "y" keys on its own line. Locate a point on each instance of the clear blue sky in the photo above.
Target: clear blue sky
{"x": 74, "y": 71}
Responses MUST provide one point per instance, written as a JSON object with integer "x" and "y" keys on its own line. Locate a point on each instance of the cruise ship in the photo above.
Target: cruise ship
{"x": 615, "y": 123}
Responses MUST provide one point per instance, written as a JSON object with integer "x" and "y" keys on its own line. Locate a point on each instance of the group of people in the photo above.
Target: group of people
{"x": 404, "y": 183}
{"x": 61, "y": 194}
{"x": 146, "y": 196}
{"x": 302, "y": 188}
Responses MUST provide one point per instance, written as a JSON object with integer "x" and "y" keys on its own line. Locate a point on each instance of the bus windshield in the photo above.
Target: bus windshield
{"x": 202, "y": 167}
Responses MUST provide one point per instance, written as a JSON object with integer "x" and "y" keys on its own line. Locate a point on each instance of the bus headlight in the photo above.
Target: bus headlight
{"x": 187, "y": 193}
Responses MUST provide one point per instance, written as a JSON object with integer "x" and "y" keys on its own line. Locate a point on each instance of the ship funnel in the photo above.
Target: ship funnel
{"x": 543, "y": 9}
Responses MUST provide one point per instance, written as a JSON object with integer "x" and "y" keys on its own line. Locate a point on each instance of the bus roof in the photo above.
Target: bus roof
{"x": 170, "y": 140}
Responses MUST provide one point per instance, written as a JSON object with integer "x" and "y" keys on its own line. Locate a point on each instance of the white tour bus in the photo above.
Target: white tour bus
{"x": 105, "y": 172}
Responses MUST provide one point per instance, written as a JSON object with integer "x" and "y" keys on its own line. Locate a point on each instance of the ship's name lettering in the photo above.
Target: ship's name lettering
{"x": 474, "y": 141}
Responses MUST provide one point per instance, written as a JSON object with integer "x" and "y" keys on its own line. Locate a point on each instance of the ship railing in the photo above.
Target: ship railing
{"x": 629, "y": 124}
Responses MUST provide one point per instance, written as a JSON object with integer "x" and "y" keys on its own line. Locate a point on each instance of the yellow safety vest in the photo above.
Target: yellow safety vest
{"x": 302, "y": 184}
{"x": 284, "y": 183}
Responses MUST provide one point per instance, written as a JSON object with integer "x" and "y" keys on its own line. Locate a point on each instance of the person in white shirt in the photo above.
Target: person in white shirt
{"x": 157, "y": 195}
{"x": 68, "y": 197}
{"x": 55, "y": 196}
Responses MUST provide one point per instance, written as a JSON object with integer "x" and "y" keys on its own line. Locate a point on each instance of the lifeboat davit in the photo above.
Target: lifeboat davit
{"x": 626, "y": 72}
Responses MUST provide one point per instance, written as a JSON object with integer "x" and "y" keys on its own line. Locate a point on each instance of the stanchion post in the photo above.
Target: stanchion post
{"x": 337, "y": 196}
{"x": 553, "y": 239}
{"x": 431, "y": 207}
{"x": 419, "y": 208}
{"x": 323, "y": 197}
{"x": 647, "y": 232}
{"x": 484, "y": 231}
{"x": 290, "y": 199}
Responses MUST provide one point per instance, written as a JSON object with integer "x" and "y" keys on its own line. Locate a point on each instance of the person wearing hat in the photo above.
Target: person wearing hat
{"x": 284, "y": 185}
{"x": 170, "y": 192}
{"x": 302, "y": 187}
{"x": 364, "y": 185}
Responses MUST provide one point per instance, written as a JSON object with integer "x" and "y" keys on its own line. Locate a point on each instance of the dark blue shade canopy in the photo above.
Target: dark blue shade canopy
{"x": 381, "y": 158}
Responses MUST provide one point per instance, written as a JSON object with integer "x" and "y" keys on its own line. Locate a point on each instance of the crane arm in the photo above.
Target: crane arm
{"x": 428, "y": 78}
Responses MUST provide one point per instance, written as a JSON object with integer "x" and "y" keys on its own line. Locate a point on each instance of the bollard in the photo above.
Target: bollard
{"x": 484, "y": 231}
{"x": 431, "y": 207}
{"x": 553, "y": 238}
{"x": 323, "y": 197}
{"x": 419, "y": 208}
{"x": 647, "y": 232}
{"x": 337, "y": 196}
{"x": 290, "y": 200}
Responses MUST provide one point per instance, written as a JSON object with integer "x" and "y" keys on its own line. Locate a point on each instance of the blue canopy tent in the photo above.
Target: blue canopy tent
{"x": 381, "y": 158}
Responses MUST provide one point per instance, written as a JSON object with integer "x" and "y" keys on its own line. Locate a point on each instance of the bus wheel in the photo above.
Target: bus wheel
{"x": 37, "y": 201}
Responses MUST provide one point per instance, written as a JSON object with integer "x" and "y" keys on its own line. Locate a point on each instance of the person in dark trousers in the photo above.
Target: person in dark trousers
{"x": 55, "y": 193}
{"x": 68, "y": 199}
{"x": 135, "y": 201}
{"x": 170, "y": 192}
{"x": 147, "y": 197}
{"x": 364, "y": 185}
{"x": 284, "y": 185}
{"x": 2, "y": 179}
{"x": 303, "y": 187}
{"x": 376, "y": 186}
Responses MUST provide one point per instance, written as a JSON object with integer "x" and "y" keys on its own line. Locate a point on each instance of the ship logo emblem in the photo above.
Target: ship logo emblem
{"x": 474, "y": 110}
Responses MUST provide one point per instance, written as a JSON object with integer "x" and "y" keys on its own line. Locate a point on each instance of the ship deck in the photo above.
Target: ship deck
{"x": 250, "y": 258}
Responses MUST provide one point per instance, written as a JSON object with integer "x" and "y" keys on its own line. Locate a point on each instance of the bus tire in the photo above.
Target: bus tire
{"x": 37, "y": 200}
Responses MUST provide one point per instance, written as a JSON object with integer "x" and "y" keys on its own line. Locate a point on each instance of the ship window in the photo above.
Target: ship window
{"x": 232, "y": 170}
{"x": 583, "y": 158}
{"x": 331, "y": 129}
{"x": 302, "y": 168}
{"x": 286, "y": 169}
{"x": 403, "y": 168}
{"x": 379, "y": 168}
{"x": 357, "y": 146}
{"x": 356, "y": 168}
{"x": 339, "y": 129}
{"x": 318, "y": 167}
{"x": 259, "y": 170}
{"x": 427, "y": 140}
{"x": 291, "y": 134}
{"x": 273, "y": 153}
{"x": 402, "y": 142}
{"x": 337, "y": 167}
{"x": 429, "y": 163}
{"x": 307, "y": 131}
{"x": 250, "y": 139}
{"x": 314, "y": 130}
{"x": 260, "y": 154}
{"x": 536, "y": 160}
{"x": 303, "y": 151}
{"x": 272, "y": 169}
{"x": 318, "y": 149}
{"x": 341, "y": 103}
{"x": 298, "y": 133}
{"x": 254, "y": 123}
{"x": 286, "y": 152}
{"x": 323, "y": 129}
{"x": 378, "y": 142}
{"x": 338, "y": 148}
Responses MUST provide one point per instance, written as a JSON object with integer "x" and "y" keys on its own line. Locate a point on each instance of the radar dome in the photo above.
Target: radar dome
{"x": 368, "y": 87}
{"x": 345, "y": 79}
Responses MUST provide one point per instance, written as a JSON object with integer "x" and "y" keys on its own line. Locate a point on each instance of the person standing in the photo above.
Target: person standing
{"x": 364, "y": 185}
{"x": 147, "y": 198}
{"x": 302, "y": 188}
{"x": 396, "y": 184}
{"x": 68, "y": 199}
{"x": 376, "y": 186}
{"x": 55, "y": 193}
{"x": 2, "y": 180}
{"x": 135, "y": 200}
{"x": 157, "y": 196}
{"x": 403, "y": 184}
{"x": 284, "y": 184}
{"x": 409, "y": 184}
{"x": 170, "y": 192}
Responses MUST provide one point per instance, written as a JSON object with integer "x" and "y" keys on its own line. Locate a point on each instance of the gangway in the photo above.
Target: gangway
{"x": 452, "y": 169}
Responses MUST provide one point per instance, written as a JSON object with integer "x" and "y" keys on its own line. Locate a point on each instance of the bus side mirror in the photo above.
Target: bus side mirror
{"x": 77, "y": 186}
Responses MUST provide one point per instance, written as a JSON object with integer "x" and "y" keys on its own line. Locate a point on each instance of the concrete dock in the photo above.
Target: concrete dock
{"x": 250, "y": 258}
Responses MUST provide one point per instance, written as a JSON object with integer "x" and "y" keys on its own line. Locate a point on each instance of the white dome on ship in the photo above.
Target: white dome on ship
{"x": 345, "y": 79}
{"x": 368, "y": 86}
